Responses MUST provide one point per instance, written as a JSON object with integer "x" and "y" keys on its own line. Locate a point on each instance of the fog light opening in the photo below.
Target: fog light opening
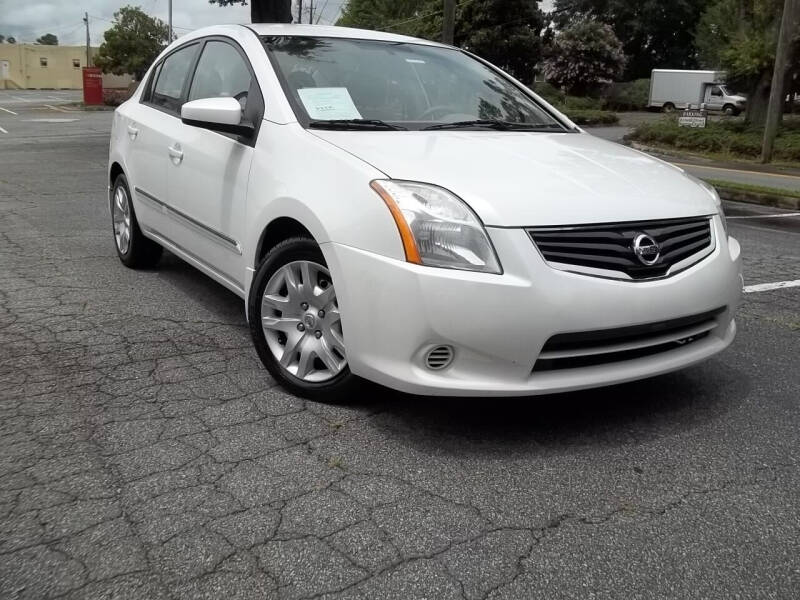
{"x": 439, "y": 357}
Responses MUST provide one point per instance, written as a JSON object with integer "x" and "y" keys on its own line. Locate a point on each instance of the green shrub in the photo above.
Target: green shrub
{"x": 582, "y": 103}
{"x": 628, "y": 95}
{"x": 112, "y": 97}
{"x": 729, "y": 138}
{"x": 591, "y": 117}
{"x": 564, "y": 102}
{"x": 549, "y": 92}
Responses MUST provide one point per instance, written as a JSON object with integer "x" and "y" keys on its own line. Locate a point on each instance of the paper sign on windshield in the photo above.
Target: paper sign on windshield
{"x": 328, "y": 103}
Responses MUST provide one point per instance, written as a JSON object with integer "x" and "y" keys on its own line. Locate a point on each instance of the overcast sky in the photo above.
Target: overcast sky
{"x": 27, "y": 20}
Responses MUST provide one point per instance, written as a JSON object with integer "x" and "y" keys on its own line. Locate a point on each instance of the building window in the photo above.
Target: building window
{"x": 42, "y": 61}
{"x": 76, "y": 63}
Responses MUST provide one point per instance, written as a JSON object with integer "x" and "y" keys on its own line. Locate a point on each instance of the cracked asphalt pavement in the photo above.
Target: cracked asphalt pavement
{"x": 145, "y": 452}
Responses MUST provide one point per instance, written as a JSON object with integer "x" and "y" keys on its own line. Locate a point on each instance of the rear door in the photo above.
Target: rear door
{"x": 152, "y": 124}
{"x": 208, "y": 180}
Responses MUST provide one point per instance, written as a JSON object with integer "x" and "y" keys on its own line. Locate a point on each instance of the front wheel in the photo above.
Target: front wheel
{"x": 295, "y": 322}
{"x": 730, "y": 110}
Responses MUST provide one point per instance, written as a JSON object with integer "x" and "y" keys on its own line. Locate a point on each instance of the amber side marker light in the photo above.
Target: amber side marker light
{"x": 409, "y": 244}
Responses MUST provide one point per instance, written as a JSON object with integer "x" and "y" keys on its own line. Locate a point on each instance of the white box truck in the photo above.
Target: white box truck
{"x": 672, "y": 89}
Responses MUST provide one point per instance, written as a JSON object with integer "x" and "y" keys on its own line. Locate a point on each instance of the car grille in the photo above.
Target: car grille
{"x": 604, "y": 346}
{"x": 611, "y": 246}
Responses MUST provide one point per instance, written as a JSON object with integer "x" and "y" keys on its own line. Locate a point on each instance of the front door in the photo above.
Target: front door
{"x": 209, "y": 171}
{"x": 714, "y": 97}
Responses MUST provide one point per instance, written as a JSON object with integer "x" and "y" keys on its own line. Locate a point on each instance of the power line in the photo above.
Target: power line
{"x": 425, "y": 16}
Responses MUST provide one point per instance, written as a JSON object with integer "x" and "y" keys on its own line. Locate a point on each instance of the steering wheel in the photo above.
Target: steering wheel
{"x": 241, "y": 95}
{"x": 433, "y": 109}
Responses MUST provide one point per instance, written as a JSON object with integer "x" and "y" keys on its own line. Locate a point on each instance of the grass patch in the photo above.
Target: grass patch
{"x": 727, "y": 139}
{"x": 754, "y": 189}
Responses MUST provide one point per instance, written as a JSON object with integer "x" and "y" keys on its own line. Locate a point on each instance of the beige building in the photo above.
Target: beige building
{"x": 33, "y": 66}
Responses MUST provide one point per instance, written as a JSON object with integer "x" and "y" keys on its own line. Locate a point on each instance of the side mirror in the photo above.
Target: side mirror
{"x": 217, "y": 114}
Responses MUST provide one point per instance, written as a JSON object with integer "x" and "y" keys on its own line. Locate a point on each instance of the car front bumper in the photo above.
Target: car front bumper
{"x": 394, "y": 312}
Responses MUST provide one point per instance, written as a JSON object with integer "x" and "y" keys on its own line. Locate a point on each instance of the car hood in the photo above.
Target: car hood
{"x": 529, "y": 178}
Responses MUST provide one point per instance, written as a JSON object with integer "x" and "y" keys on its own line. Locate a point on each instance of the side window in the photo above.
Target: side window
{"x": 221, "y": 71}
{"x": 172, "y": 76}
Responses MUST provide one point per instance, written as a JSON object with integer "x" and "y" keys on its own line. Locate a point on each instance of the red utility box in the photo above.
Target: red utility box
{"x": 92, "y": 85}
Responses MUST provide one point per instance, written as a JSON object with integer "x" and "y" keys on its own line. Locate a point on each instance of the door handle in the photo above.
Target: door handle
{"x": 132, "y": 132}
{"x": 176, "y": 153}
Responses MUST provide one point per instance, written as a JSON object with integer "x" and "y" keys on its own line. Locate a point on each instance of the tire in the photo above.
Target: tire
{"x": 297, "y": 330}
{"x": 134, "y": 250}
{"x": 668, "y": 107}
{"x": 730, "y": 110}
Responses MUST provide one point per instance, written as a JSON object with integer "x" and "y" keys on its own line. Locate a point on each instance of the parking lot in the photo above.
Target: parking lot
{"x": 146, "y": 453}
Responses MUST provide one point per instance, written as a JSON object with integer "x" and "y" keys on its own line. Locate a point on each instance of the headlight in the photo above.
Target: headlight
{"x": 437, "y": 228}
{"x": 717, "y": 201}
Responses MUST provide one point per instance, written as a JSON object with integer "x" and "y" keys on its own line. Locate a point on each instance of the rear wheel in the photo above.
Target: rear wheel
{"x": 295, "y": 322}
{"x": 134, "y": 250}
{"x": 668, "y": 107}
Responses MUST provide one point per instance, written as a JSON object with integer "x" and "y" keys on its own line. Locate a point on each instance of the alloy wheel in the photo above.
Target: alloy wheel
{"x": 301, "y": 321}
{"x": 122, "y": 219}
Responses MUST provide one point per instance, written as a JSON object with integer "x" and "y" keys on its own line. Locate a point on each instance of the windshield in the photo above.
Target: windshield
{"x": 398, "y": 86}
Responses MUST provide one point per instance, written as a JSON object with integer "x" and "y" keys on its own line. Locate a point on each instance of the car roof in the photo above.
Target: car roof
{"x": 332, "y": 31}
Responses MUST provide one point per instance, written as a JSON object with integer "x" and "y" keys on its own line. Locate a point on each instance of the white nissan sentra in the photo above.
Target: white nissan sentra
{"x": 402, "y": 211}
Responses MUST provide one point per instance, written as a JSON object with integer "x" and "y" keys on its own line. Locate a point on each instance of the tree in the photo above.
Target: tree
{"x": 504, "y": 32}
{"x": 2, "y": 39}
{"x": 739, "y": 37}
{"x": 132, "y": 43}
{"x": 380, "y": 14}
{"x": 48, "y": 39}
{"x": 655, "y": 34}
{"x": 264, "y": 11}
{"x": 584, "y": 55}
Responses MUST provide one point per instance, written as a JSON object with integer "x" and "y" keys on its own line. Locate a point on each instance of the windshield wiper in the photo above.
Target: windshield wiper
{"x": 355, "y": 124}
{"x": 496, "y": 124}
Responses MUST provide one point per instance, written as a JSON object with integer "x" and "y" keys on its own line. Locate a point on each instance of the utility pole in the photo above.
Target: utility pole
{"x": 86, "y": 21}
{"x": 775, "y": 107}
{"x": 299, "y": 11}
{"x": 449, "y": 22}
{"x": 169, "y": 10}
{"x": 310, "y": 11}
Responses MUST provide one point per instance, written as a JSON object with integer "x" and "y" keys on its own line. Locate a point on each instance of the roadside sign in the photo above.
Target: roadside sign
{"x": 693, "y": 118}
{"x": 92, "y": 85}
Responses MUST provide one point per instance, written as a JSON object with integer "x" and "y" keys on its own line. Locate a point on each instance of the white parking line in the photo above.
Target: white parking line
{"x": 55, "y": 108}
{"x": 3, "y": 130}
{"x": 765, "y": 287}
{"x": 8, "y": 111}
{"x": 20, "y": 99}
{"x": 797, "y": 214}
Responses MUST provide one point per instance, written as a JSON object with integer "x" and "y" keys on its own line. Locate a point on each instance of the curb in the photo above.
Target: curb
{"x": 733, "y": 195}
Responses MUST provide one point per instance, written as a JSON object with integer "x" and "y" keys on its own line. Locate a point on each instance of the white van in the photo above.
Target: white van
{"x": 672, "y": 89}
